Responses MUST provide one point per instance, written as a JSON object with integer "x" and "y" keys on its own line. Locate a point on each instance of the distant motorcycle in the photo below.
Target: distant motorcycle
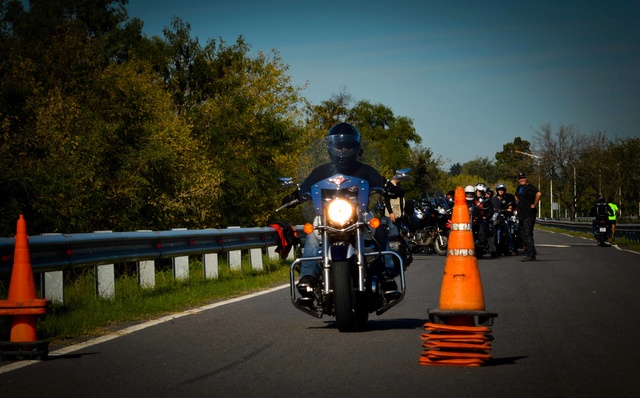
{"x": 602, "y": 231}
{"x": 426, "y": 224}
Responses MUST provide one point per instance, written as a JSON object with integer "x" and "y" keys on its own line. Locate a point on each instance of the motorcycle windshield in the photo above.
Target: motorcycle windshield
{"x": 356, "y": 190}
{"x": 440, "y": 199}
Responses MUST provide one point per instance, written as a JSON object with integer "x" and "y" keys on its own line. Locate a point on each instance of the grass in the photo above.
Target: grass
{"x": 621, "y": 242}
{"x": 83, "y": 315}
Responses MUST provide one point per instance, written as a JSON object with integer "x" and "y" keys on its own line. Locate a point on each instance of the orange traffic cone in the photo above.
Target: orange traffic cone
{"x": 453, "y": 337}
{"x": 461, "y": 284}
{"x": 22, "y": 302}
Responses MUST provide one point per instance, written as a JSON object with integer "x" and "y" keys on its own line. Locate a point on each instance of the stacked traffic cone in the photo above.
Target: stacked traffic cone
{"x": 22, "y": 303}
{"x": 453, "y": 336}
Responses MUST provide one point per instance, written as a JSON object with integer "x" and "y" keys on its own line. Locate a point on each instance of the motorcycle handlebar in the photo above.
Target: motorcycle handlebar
{"x": 289, "y": 204}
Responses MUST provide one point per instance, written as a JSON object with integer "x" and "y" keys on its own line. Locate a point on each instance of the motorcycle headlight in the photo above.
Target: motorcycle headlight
{"x": 339, "y": 211}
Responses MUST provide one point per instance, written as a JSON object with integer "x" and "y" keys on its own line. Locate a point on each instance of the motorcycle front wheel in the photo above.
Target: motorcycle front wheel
{"x": 440, "y": 244}
{"x": 350, "y": 306}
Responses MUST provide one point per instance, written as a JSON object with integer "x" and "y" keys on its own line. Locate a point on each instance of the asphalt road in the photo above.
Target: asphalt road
{"x": 567, "y": 326}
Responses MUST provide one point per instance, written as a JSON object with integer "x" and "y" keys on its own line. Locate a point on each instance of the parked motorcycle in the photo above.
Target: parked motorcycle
{"x": 350, "y": 283}
{"x": 426, "y": 224}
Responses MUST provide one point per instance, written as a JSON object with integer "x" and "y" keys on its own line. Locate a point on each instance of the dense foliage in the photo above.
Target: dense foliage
{"x": 104, "y": 128}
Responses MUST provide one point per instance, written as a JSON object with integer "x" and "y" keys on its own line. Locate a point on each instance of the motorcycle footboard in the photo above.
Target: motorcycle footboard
{"x": 315, "y": 312}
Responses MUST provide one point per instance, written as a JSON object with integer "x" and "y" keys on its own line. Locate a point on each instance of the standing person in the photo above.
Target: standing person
{"x": 394, "y": 204}
{"x": 613, "y": 219}
{"x": 527, "y": 196}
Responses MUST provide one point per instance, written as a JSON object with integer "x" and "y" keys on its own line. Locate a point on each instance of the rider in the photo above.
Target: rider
{"x": 344, "y": 147}
{"x": 470, "y": 196}
{"x": 485, "y": 212}
{"x": 506, "y": 204}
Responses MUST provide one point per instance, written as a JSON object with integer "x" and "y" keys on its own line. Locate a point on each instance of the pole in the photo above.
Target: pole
{"x": 575, "y": 195}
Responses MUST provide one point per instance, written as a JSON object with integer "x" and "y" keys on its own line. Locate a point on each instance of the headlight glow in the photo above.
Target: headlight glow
{"x": 339, "y": 211}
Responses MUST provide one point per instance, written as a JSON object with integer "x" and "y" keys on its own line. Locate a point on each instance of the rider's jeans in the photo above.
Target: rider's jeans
{"x": 393, "y": 228}
{"x": 311, "y": 249}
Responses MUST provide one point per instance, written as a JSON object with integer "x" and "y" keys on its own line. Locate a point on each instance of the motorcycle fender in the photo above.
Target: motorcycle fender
{"x": 341, "y": 251}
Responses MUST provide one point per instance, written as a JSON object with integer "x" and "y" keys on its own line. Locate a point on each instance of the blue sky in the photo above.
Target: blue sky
{"x": 472, "y": 75}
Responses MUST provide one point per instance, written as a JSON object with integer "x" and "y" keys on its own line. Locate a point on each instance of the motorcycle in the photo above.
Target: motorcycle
{"x": 426, "y": 224}
{"x": 502, "y": 227}
{"x": 602, "y": 231}
{"x": 350, "y": 285}
{"x": 443, "y": 222}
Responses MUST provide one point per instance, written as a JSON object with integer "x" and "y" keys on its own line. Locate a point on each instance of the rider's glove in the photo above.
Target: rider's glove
{"x": 291, "y": 197}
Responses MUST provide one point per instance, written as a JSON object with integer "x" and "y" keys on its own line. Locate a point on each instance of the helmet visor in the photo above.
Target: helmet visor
{"x": 343, "y": 145}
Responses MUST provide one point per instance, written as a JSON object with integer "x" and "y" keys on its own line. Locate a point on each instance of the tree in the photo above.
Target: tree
{"x": 560, "y": 152}
{"x": 320, "y": 118}
{"x": 245, "y": 113}
{"x": 51, "y": 55}
{"x": 510, "y": 161}
{"x": 482, "y": 167}
{"x": 425, "y": 170}
{"x": 455, "y": 169}
{"x": 624, "y": 177}
{"x": 392, "y": 135}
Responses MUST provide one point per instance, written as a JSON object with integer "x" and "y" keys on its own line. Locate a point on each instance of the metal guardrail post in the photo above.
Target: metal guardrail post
{"x": 105, "y": 279}
{"x": 210, "y": 264}
{"x": 271, "y": 252}
{"x": 256, "y": 259}
{"x": 180, "y": 265}
{"x": 146, "y": 274}
{"x": 234, "y": 258}
{"x": 53, "y": 282}
{"x": 54, "y": 286}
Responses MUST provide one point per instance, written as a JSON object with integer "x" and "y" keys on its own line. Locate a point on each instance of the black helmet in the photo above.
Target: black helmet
{"x": 343, "y": 145}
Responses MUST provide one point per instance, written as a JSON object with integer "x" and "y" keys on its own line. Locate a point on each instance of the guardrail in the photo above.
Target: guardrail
{"x": 52, "y": 254}
{"x": 627, "y": 231}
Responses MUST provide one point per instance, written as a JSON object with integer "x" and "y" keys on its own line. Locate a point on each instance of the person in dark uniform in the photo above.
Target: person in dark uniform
{"x": 527, "y": 196}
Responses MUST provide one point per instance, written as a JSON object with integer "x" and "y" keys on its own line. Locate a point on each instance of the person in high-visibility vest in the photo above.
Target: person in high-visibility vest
{"x": 613, "y": 217}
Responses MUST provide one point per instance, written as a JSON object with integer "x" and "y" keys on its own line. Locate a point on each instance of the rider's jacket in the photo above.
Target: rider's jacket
{"x": 360, "y": 170}
{"x": 503, "y": 203}
{"x": 484, "y": 209}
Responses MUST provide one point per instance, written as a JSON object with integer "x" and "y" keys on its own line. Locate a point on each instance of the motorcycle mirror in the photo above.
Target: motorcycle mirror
{"x": 286, "y": 183}
{"x": 402, "y": 174}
